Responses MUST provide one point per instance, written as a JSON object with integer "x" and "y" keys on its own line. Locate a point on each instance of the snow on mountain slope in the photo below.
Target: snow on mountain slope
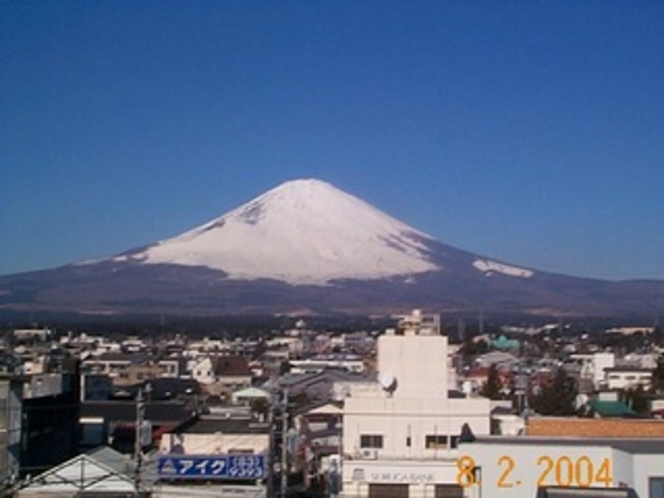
{"x": 487, "y": 267}
{"x": 301, "y": 232}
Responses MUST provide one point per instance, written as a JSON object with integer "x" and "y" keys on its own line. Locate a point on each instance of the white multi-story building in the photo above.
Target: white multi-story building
{"x": 628, "y": 377}
{"x": 594, "y": 365}
{"x": 400, "y": 435}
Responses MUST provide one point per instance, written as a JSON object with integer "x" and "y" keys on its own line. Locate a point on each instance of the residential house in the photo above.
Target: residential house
{"x": 627, "y": 377}
{"x": 221, "y": 375}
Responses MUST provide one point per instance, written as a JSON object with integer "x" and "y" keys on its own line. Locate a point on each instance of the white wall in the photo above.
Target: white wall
{"x": 514, "y": 470}
{"x": 646, "y": 466}
{"x": 419, "y": 363}
{"x": 397, "y": 419}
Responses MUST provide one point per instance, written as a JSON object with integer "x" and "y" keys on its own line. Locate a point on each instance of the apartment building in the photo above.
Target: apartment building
{"x": 401, "y": 434}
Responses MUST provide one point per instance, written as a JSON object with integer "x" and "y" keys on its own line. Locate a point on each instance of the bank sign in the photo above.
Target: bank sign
{"x": 249, "y": 467}
{"x": 410, "y": 472}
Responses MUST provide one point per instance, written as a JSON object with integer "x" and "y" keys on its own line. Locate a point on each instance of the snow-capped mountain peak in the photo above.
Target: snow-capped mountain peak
{"x": 301, "y": 232}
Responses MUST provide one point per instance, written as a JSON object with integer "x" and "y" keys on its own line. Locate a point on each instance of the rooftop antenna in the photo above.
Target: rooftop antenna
{"x": 388, "y": 382}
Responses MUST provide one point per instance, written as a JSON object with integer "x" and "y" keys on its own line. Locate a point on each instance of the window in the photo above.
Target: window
{"x": 371, "y": 441}
{"x": 448, "y": 491}
{"x": 656, "y": 487}
{"x": 436, "y": 442}
{"x": 441, "y": 442}
{"x": 388, "y": 490}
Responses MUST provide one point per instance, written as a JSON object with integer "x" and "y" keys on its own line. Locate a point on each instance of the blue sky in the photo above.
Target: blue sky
{"x": 529, "y": 131}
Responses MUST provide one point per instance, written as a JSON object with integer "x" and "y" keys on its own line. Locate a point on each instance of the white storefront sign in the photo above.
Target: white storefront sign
{"x": 402, "y": 473}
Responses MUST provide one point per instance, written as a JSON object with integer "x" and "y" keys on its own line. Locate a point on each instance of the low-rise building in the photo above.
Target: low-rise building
{"x": 213, "y": 456}
{"x": 561, "y": 467}
{"x": 627, "y": 377}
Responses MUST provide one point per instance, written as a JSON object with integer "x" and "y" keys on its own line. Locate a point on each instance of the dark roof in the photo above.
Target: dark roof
{"x": 627, "y": 368}
{"x": 209, "y": 424}
{"x": 125, "y": 411}
{"x": 326, "y": 375}
{"x": 502, "y": 410}
{"x": 231, "y": 366}
{"x": 170, "y": 387}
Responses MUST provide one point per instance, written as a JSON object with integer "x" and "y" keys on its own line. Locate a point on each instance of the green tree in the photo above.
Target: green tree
{"x": 558, "y": 398}
{"x": 493, "y": 385}
{"x": 658, "y": 377}
{"x": 637, "y": 399}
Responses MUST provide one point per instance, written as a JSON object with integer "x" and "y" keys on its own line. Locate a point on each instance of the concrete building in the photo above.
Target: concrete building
{"x": 401, "y": 434}
{"x": 592, "y": 366}
{"x": 628, "y": 377}
{"x": 38, "y": 422}
{"x": 550, "y": 467}
{"x": 211, "y": 456}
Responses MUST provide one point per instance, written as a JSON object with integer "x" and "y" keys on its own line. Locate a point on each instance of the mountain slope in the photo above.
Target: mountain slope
{"x": 307, "y": 247}
{"x": 302, "y": 232}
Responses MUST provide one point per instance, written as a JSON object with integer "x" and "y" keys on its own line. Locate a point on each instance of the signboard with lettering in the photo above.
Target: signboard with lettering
{"x": 246, "y": 467}
{"x": 411, "y": 472}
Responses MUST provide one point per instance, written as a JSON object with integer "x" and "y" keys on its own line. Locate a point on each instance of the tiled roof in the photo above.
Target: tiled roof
{"x": 595, "y": 428}
{"x": 211, "y": 424}
{"x": 125, "y": 411}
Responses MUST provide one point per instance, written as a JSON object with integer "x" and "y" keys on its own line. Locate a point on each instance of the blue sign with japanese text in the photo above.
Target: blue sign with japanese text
{"x": 211, "y": 466}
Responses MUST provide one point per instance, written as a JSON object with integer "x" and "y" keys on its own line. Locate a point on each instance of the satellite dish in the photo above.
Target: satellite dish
{"x": 388, "y": 382}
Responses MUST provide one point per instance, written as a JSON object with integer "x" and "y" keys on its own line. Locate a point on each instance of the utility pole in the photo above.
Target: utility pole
{"x": 284, "y": 445}
{"x": 138, "y": 443}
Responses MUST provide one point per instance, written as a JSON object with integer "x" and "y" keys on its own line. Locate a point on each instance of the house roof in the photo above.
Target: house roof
{"x": 325, "y": 407}
{"x": 170, "y": 387}
{"x": 231, "y": 366}
{"x": 593, "y": 428}
{"x": 118, "y": 356}
{"x": 114, "y": 459}
{"x": 329, "y": 374}
{"x": 209, "y": 424}
{"x": 92, "y": 472}
{"x": 125, "y": 411}
{"x": 252, "y": 392}
{"x": 627, "y": 368}
{"x": 611, "y": 408}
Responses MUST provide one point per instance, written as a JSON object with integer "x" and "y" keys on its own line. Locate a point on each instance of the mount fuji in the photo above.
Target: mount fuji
{"x": 302, "y": 232}
{"x": 308, "y": 247}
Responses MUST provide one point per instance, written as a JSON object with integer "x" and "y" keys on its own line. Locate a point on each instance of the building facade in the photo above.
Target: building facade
{"x": 529, "y": 467}
{"x": 401, "y": 434}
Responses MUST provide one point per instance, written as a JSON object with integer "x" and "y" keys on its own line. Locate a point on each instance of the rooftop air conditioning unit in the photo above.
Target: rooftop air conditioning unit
{"x": 369, "y": 453}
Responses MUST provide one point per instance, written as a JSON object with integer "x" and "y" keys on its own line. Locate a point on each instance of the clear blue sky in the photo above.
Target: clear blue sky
{"x": 530, "y": 131}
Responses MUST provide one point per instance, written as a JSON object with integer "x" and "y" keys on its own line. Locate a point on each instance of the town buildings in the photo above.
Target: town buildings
{"x": 390, "y": 413}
